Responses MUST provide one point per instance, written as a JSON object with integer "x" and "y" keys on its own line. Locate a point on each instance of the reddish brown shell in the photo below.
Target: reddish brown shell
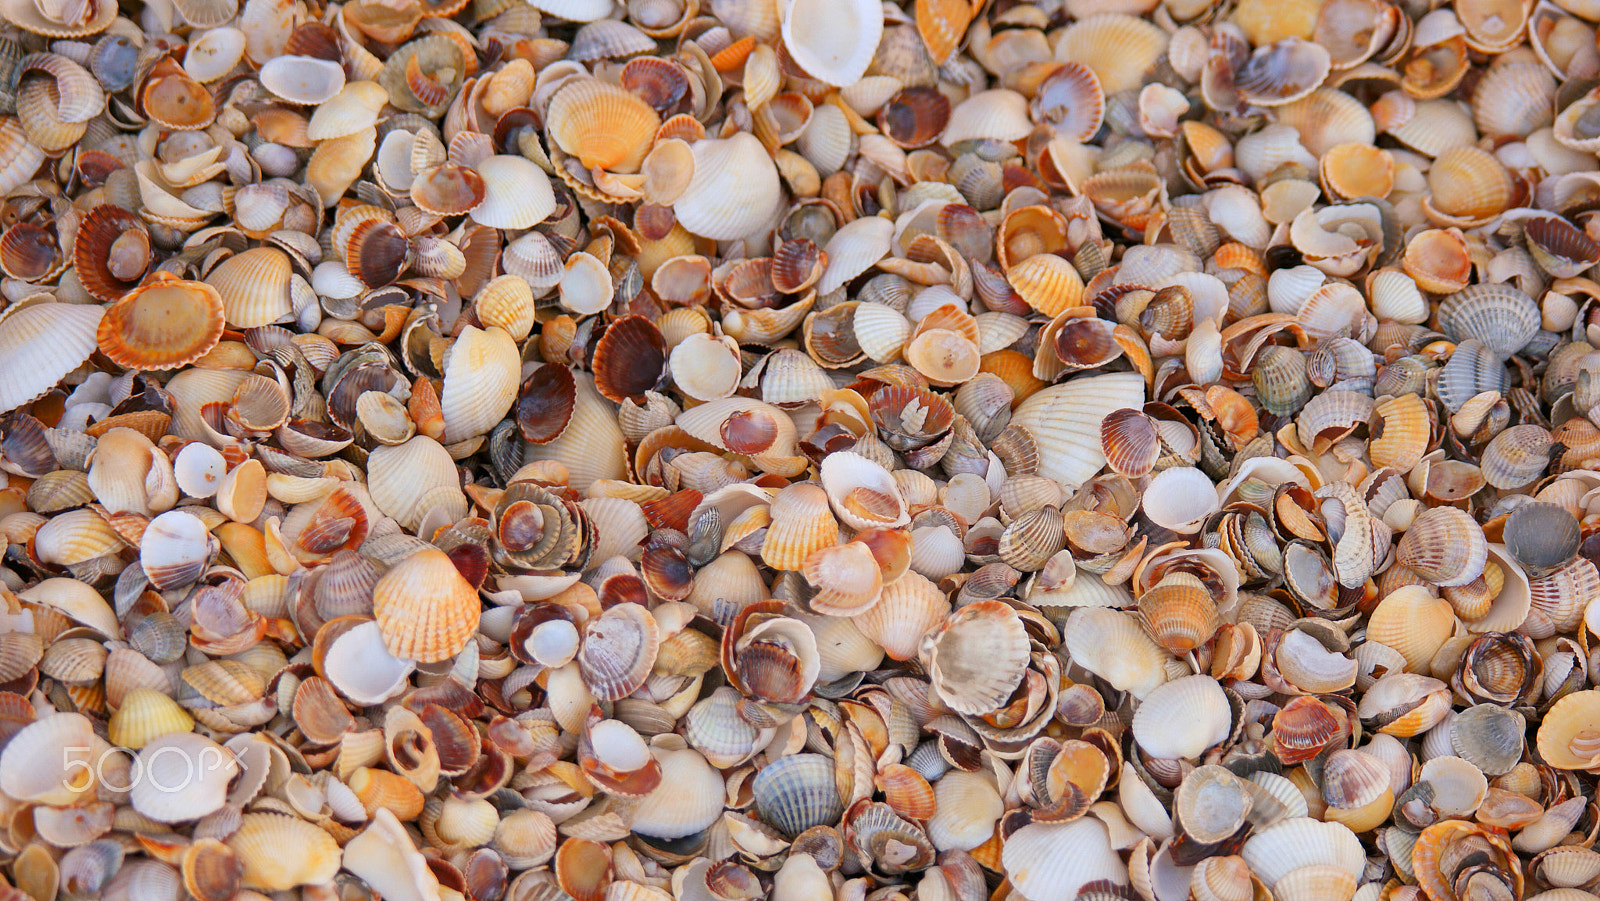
{"x": 378, "y": 252}
{"x": 164, "y": 324}
{"x": 629, "y": 359}
{"x": 915, "y": 117}
{"x": 545, "y": 402}
{"x": 111, "y": 251}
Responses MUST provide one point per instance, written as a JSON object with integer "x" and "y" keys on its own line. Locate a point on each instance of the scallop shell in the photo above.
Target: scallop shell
{"x": 994, "y": 115}
{"x": 163, "y": 324}
{"x": 1053, "y": 861}
{"x": 853, "y": 250}
{"x": 405, "y": 480}
{"x": 735, "y": 190}
{"x": 1499, "y": 315}
{"x": 976, "y": 661}
{"x": 1119, "y": 48}
{"x": 480, "y": 382}
{"x": 1065, "y": 420}
{"x": 601, "y": 125}
{"x": 797, "y": 792}
{"x": 40, "y": 344}
{"x": 1197, "y": 703}
{"x": 426, "y": 610}
{"x": 1111, "y": 644}
{"x": 254, "y": 287}
{"x": 908, "y": 609}
{"x": 186, "y": 777}
{"x": 517, "y": 193}
{"x": 282, "y": 852}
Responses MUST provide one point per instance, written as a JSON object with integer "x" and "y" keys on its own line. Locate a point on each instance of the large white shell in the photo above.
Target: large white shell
{"x": 575, "y": 10}
{"x": 480, "y": 382}
{"x": 1065, "y": 422}
{"x": 688, "y": 799}
{"x": 406, "y": 480}
{"x": 51, "y": 761}
{"x": 183, "y": 776}
{"x": 174, "y": 550}
{"x": 1288, "y": 845}
{"x": 40, "y": 344}
{"x": 1052, "y": 861}
{"x": 213, "y": 54}
{"x": 517, "y": 193}
{"x": 833, "y": 40}
{"x": 1181, "y": 718}
{"x": 360, "y": 666}
{"x": 385, "y": 858}
{"x": 845, "y": 472}
{"x": 1112, "y": 645}
{"x": 305, "y": 80}
{"x": 734, "y": 192}
{"x": 997, "y": 115}
{"x": 853, "y": 249}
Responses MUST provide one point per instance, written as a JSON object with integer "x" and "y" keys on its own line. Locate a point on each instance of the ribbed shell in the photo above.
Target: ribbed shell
{"x": 797, "y": 792}
{"x": 1499, "y": 315}
{"x": 40, "y": 344}
{"x": 1065, "y": 421}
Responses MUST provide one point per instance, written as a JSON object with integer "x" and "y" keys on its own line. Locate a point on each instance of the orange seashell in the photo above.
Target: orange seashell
{"x": 426, "y": 610}
{"x": 111, "y": 251}
{"x": 164, "y": 324}
{"x": 602, "y": 125}
{"x": 905, "y": 791}
{"x": 173, "y": 99}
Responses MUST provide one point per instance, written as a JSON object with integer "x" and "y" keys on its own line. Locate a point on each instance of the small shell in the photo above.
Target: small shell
{"x": 303, "y": 80}
{"x": 832, "y": 42}
{"x": 797, "y": 792}
{"x": 977, "y": 659}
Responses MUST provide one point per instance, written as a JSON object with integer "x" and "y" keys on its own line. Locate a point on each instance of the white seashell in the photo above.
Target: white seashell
{"x": 1142, "y": 806}
{"x": 735, "y": 190}
{"x": 852, "y": 481}
{"x": 1065, "y": 420}
{"x": 882, "y": 331}
{"x": 386, "y": 859}
{"x": 39, "y": 344}
{"x": 705, "y": 367}
{"x": 575, "y": 10}
{"x": 184, "y": 776}
{"x": 827, "y": 140}
{"x": 305, "y": 80}
{"x": 966, "y": 808}
{"x": 1259, "y": 153}
{"x": 996, "y": 115}
{"x": 406, "y": 480}
{"x": 1236, "y": 210}
{"x": 517, "y": 193}
{"x": 936, "y": 552}
{"x": 1180, "y": 499}
{"x": 688, "y": 800}
{"x": 1052, "y": 861}
{"x": 360, "y": 666}
{"x": 351, "y": 111}
{"x": 198, "y": 469}
{"x": 1112, "y": 645}
{"x": 51, "y": 761}
{"x": 1394, "y": 295}
{"x": 833, "y": 40}
{"x": 1288, "y": 289}
{"x": 1182, "y": 718}
{"x": 1290, "y": 844}
{"x": 213, "y": 54}
{"x": 586, "y": 286}
{"x": 480, "y": 382}
{"x": 853, "y": 250}
{"x": 175, "y": 549}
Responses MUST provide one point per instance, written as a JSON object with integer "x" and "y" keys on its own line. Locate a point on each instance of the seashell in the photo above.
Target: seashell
{"x": 32, "y": 366}
{"x": 811, "y": 36}
{"x": 1500, "y": 316}
{"x": 111, "y": 251}
{"x": 517, "y": 193}
{"x": 480, "y": 382}
{"x": 1567, "y": 731}
{"x": 1541, "y": 537}
{"x": 1177, "y": 501}
{"x": 163, "y": 324}
{"x": 425, "y": 609}
{"x": 38, "y": 771}
{"x": 908, "y": 609}
{"x": 303, "y": 80}
{"x": 602, "y": 126}
{"x": 1197, "y": 702}
{"x": 254, "y": 287}
{"x": 1444, "y": 546}
{"x": 734, "y": 191}
{"x": 853, "y": 250}
{"x": 797, "y": 792}
{"x": 994, "y": 115}
{"x": 1516, "y": 456}
{"x": 1053, "y": 861}
{"x": 1119, "y": 48}
{"x": 976, "y": 660}
{"x": 282, "y": 852}
{"x": 687, "y": 801}
{"x": 862, "y": 493}
{"x": 1065, "y": 420}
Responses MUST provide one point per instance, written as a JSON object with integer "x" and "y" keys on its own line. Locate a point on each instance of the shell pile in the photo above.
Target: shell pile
{"x": 807, "y": 450}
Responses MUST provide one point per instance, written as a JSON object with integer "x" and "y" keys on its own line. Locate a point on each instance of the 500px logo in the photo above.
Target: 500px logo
{"x": 165, "y": 769}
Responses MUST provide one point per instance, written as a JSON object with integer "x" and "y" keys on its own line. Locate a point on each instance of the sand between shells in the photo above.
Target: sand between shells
{"x": 817, "y": 450}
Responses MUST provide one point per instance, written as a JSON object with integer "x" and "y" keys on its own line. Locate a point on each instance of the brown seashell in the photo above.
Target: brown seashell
{"x": 630, "y": 359}
{"x": 163, "y": 324}
{"x": 111, "y": 251}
